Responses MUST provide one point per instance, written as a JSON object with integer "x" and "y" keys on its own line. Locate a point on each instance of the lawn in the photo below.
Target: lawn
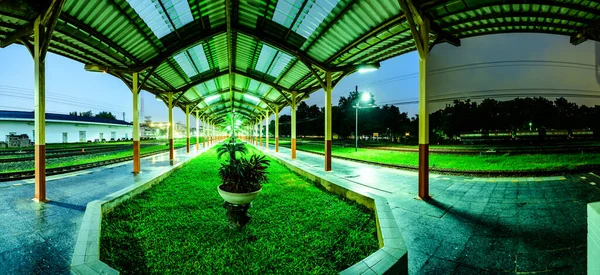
{"x": 179, "y": 226}
{"x": 504, "y": 162}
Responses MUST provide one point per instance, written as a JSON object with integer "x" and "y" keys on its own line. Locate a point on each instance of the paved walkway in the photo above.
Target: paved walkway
{"x": 40, "y": 238}
{"x": 478, "y": 225}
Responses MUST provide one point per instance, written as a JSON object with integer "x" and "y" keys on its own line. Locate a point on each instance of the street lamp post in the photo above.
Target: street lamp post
{"x": 364, "y": 97}
{"x": 356, "y": 129}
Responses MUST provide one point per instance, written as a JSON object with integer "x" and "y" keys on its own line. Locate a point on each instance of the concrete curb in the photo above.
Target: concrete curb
{"x": 392, "y": 256}
{"x": 593, "y": 238}
{"x": 86, "y": 257}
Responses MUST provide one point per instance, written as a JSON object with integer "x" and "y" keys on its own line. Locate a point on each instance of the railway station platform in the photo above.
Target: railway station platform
{"x": 472, "y": 225}
{"x": 476, "y": 225}
{"x": 40, "y": 238}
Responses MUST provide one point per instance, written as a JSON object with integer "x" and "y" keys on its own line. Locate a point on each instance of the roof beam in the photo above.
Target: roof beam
{"x": 49, "y": 17}
{"x": 295, "y": 19}
{"x": 230, "y": 46}
{"x": 187, "y": 41}
{"x": 201, "y": 80}
{"x": 242, "y": 111}
{"x": 282, "y": 47}
{"x": 243, "y": 103}
{"x": 317, "y": 76}
{"x": 335, "y": 20}
{"x": 224, "y": 91}
{"x": 24, "y": 31}
{"x": 142, "y": 32}
{"x": 73, "y": 21}
{"x": 410, "y": 19}
{"x": 384, "y": 26}
{"x": 566, "y": 5}
{"x": 523, "y": 26}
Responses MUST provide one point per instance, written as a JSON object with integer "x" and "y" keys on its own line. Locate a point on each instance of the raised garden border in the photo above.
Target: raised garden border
{"x": 392, "y": 256}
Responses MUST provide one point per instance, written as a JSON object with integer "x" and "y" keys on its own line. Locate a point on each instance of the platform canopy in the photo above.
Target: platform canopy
{"x": 249, "y": 55}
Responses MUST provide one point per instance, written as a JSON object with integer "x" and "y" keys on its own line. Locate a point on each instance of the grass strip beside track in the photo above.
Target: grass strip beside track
{"x": 505, "y": 162}
{"x": 89, "y": 158}
{"x": 180, "y": 226}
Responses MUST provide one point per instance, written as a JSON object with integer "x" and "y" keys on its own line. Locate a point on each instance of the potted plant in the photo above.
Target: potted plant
{"x": 242, "y": 177}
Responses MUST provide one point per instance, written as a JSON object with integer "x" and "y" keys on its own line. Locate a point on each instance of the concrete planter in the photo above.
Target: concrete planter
{"x": 238, "y": 198}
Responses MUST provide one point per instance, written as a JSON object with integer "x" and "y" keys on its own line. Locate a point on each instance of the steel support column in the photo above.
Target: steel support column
{"x": 276, "y": 129}
{"x": 328, "y": 120}
{"x": 171, "y": 127}
{"x": 210, "y": 137}
{"x": 197, "y": 131}
{"x": 423, "y": 116}
{"x": 421, "y": 37}
{"x": 40, "y": 36}
{"x": 260, "y": 135}
{"x": 267, "y": 130}
{"x": 293, "y": 124}
{"x": 203, "y": 133}
{"x": 212, "y": 132}
{"x": 135, "y": 91}
{"x": 187, "y": 128}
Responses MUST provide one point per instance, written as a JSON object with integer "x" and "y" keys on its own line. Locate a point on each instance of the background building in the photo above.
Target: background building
{"x": 65, "y": 128}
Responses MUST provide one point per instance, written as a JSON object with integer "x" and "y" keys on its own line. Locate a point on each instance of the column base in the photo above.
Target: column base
{"x": 40, "y": 201}
{"x": 424, "y": 171}
{"x": 276, "y": 145}
{"x": 187, "y": 145}
{"x": 40, "y": 173}
{"x": 327, "y": 155}
{"x": 293, "y": 148}
{"x": 171, "y": 151}
{"x": 136, "y": 156}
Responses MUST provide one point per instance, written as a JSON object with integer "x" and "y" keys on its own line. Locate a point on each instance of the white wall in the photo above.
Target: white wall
{"x": 506, "y": 66}
{"x": 54, "y": 130}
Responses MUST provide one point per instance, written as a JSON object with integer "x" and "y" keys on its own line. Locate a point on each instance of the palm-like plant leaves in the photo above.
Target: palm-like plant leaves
{"x": 231, "y": 148}
{"x": 244, "y": 175}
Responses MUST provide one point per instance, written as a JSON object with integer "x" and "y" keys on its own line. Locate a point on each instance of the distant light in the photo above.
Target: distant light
{"x": 530, "y": 124}
{"x": 365, "y": 96}
{"x": 367, "y": 68}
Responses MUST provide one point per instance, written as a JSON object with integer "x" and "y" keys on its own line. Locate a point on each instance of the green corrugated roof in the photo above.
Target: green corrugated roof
{"x": 272, "y": 40}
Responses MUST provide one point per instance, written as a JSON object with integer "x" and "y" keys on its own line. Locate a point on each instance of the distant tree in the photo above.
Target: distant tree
{"x": 73, "y": 113}
{"x": 106, "y": 115}
{"x": 87, "y": 114}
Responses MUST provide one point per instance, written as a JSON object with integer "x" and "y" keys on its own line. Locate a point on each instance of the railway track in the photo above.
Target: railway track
{"x": 54, "y": 150}
{"x": 69, "y": 153}
{"x": 21, "y": 175}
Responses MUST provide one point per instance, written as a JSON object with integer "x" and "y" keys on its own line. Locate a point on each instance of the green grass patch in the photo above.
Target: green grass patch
{"x": 505, "y": 162}
{"x": 179, "y": 226}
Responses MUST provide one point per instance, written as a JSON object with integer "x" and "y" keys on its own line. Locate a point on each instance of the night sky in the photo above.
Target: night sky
{"x": 71, "y": 88}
